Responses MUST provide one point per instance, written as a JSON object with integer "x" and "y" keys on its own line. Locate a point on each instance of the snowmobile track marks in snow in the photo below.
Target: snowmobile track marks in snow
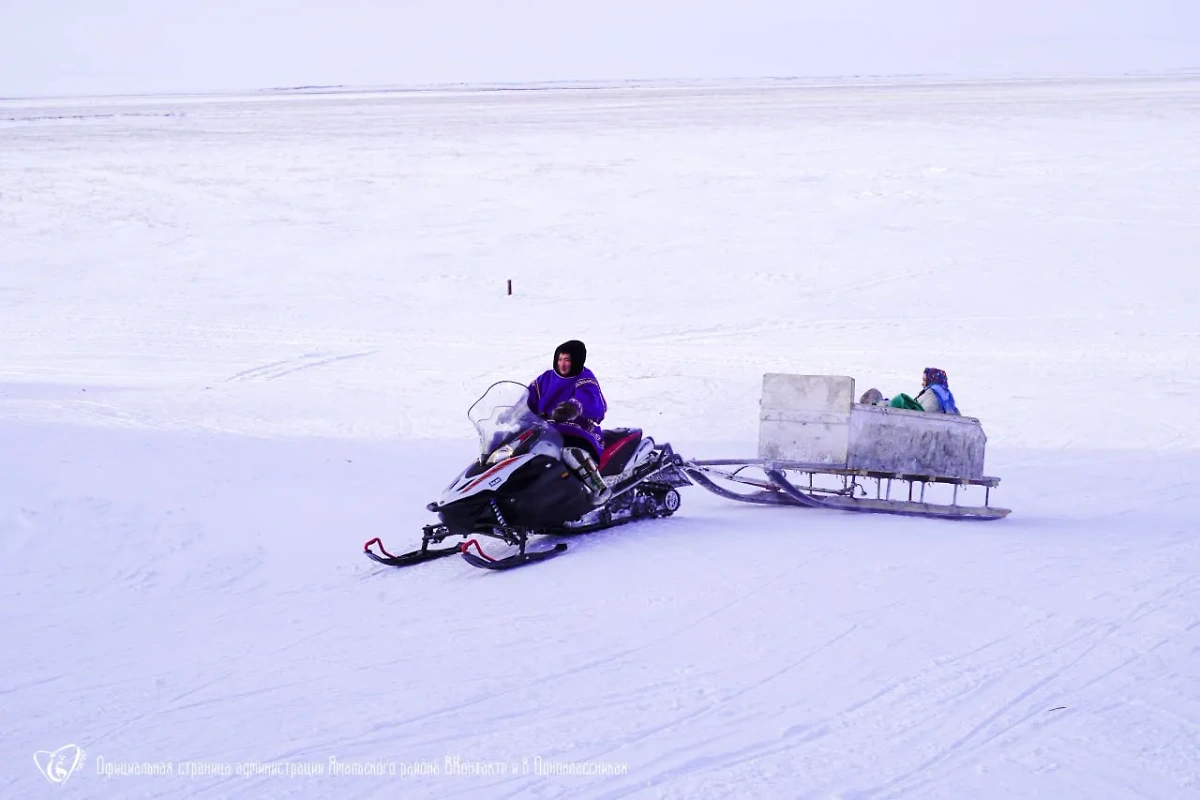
{"x": 278, "y": 369}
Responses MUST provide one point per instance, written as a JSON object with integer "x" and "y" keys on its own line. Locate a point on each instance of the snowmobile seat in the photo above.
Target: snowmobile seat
{"x": 619, "y": 446}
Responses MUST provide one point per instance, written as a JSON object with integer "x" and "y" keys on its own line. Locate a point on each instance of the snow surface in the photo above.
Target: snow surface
{"x": 240, "y": 334}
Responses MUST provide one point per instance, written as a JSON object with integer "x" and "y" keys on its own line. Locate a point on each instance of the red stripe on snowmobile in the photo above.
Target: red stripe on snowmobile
{"x": 476, "y": 482}
{"x": 613, "y": 449}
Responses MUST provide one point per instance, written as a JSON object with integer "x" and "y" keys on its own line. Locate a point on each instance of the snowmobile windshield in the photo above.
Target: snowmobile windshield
{"x": 502, "y": 414}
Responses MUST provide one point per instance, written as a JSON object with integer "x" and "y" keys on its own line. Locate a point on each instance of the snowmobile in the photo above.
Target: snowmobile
{"x": 521, "y": 486}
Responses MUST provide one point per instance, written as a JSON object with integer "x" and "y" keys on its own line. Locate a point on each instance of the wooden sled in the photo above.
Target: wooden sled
{"x": 817, "y": 448}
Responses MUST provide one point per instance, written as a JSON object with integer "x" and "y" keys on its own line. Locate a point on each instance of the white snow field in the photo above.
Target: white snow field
{"x": 238, "y": 338}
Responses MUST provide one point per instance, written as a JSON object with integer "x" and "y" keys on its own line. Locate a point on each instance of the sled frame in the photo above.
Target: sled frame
{"x": 860, "y": 490}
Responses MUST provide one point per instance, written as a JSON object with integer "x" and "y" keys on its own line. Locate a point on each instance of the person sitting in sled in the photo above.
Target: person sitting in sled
{"x": 569, "y": 396}
{"x": 935, "y": 396}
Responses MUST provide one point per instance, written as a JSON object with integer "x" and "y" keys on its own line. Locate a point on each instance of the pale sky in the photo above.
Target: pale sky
{"x": 55, "y": 47}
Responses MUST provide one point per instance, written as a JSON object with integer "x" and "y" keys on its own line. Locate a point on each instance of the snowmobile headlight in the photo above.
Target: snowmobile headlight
{"x": 512, "y": 448}
{"x": 501, "y": 454}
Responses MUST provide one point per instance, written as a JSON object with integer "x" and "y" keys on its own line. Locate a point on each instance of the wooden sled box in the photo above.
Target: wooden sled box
{"x": 813, "y": 419}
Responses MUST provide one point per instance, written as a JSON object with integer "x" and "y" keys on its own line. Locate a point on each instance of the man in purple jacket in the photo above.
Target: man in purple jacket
{"x": 569, "y": 396}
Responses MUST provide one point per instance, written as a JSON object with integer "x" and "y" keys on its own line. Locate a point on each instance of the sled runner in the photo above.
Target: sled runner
{"x": 521, "y": 487}
{"x": 819, "y": 449}
{"x": 818, "y": 486}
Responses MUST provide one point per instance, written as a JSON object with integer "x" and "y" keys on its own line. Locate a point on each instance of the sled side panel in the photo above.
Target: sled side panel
{"x": 805, "y": 418}
{"x": 915, "y": 443}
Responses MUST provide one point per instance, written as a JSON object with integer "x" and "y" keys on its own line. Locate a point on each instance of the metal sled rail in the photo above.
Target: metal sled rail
{"x": 769, "y": 497}
{"x": 775, "y": 488}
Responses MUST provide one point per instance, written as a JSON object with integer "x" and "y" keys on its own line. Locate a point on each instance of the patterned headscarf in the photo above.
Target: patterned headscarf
{"x": 934, "y": 375}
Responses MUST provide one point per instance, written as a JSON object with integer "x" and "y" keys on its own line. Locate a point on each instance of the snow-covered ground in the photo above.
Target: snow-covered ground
{"x": 240, "y": 334}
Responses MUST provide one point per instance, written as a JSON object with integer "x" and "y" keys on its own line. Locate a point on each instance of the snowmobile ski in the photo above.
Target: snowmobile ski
{"x": 408, "y": 559}
{"x": 484, "y": 561}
